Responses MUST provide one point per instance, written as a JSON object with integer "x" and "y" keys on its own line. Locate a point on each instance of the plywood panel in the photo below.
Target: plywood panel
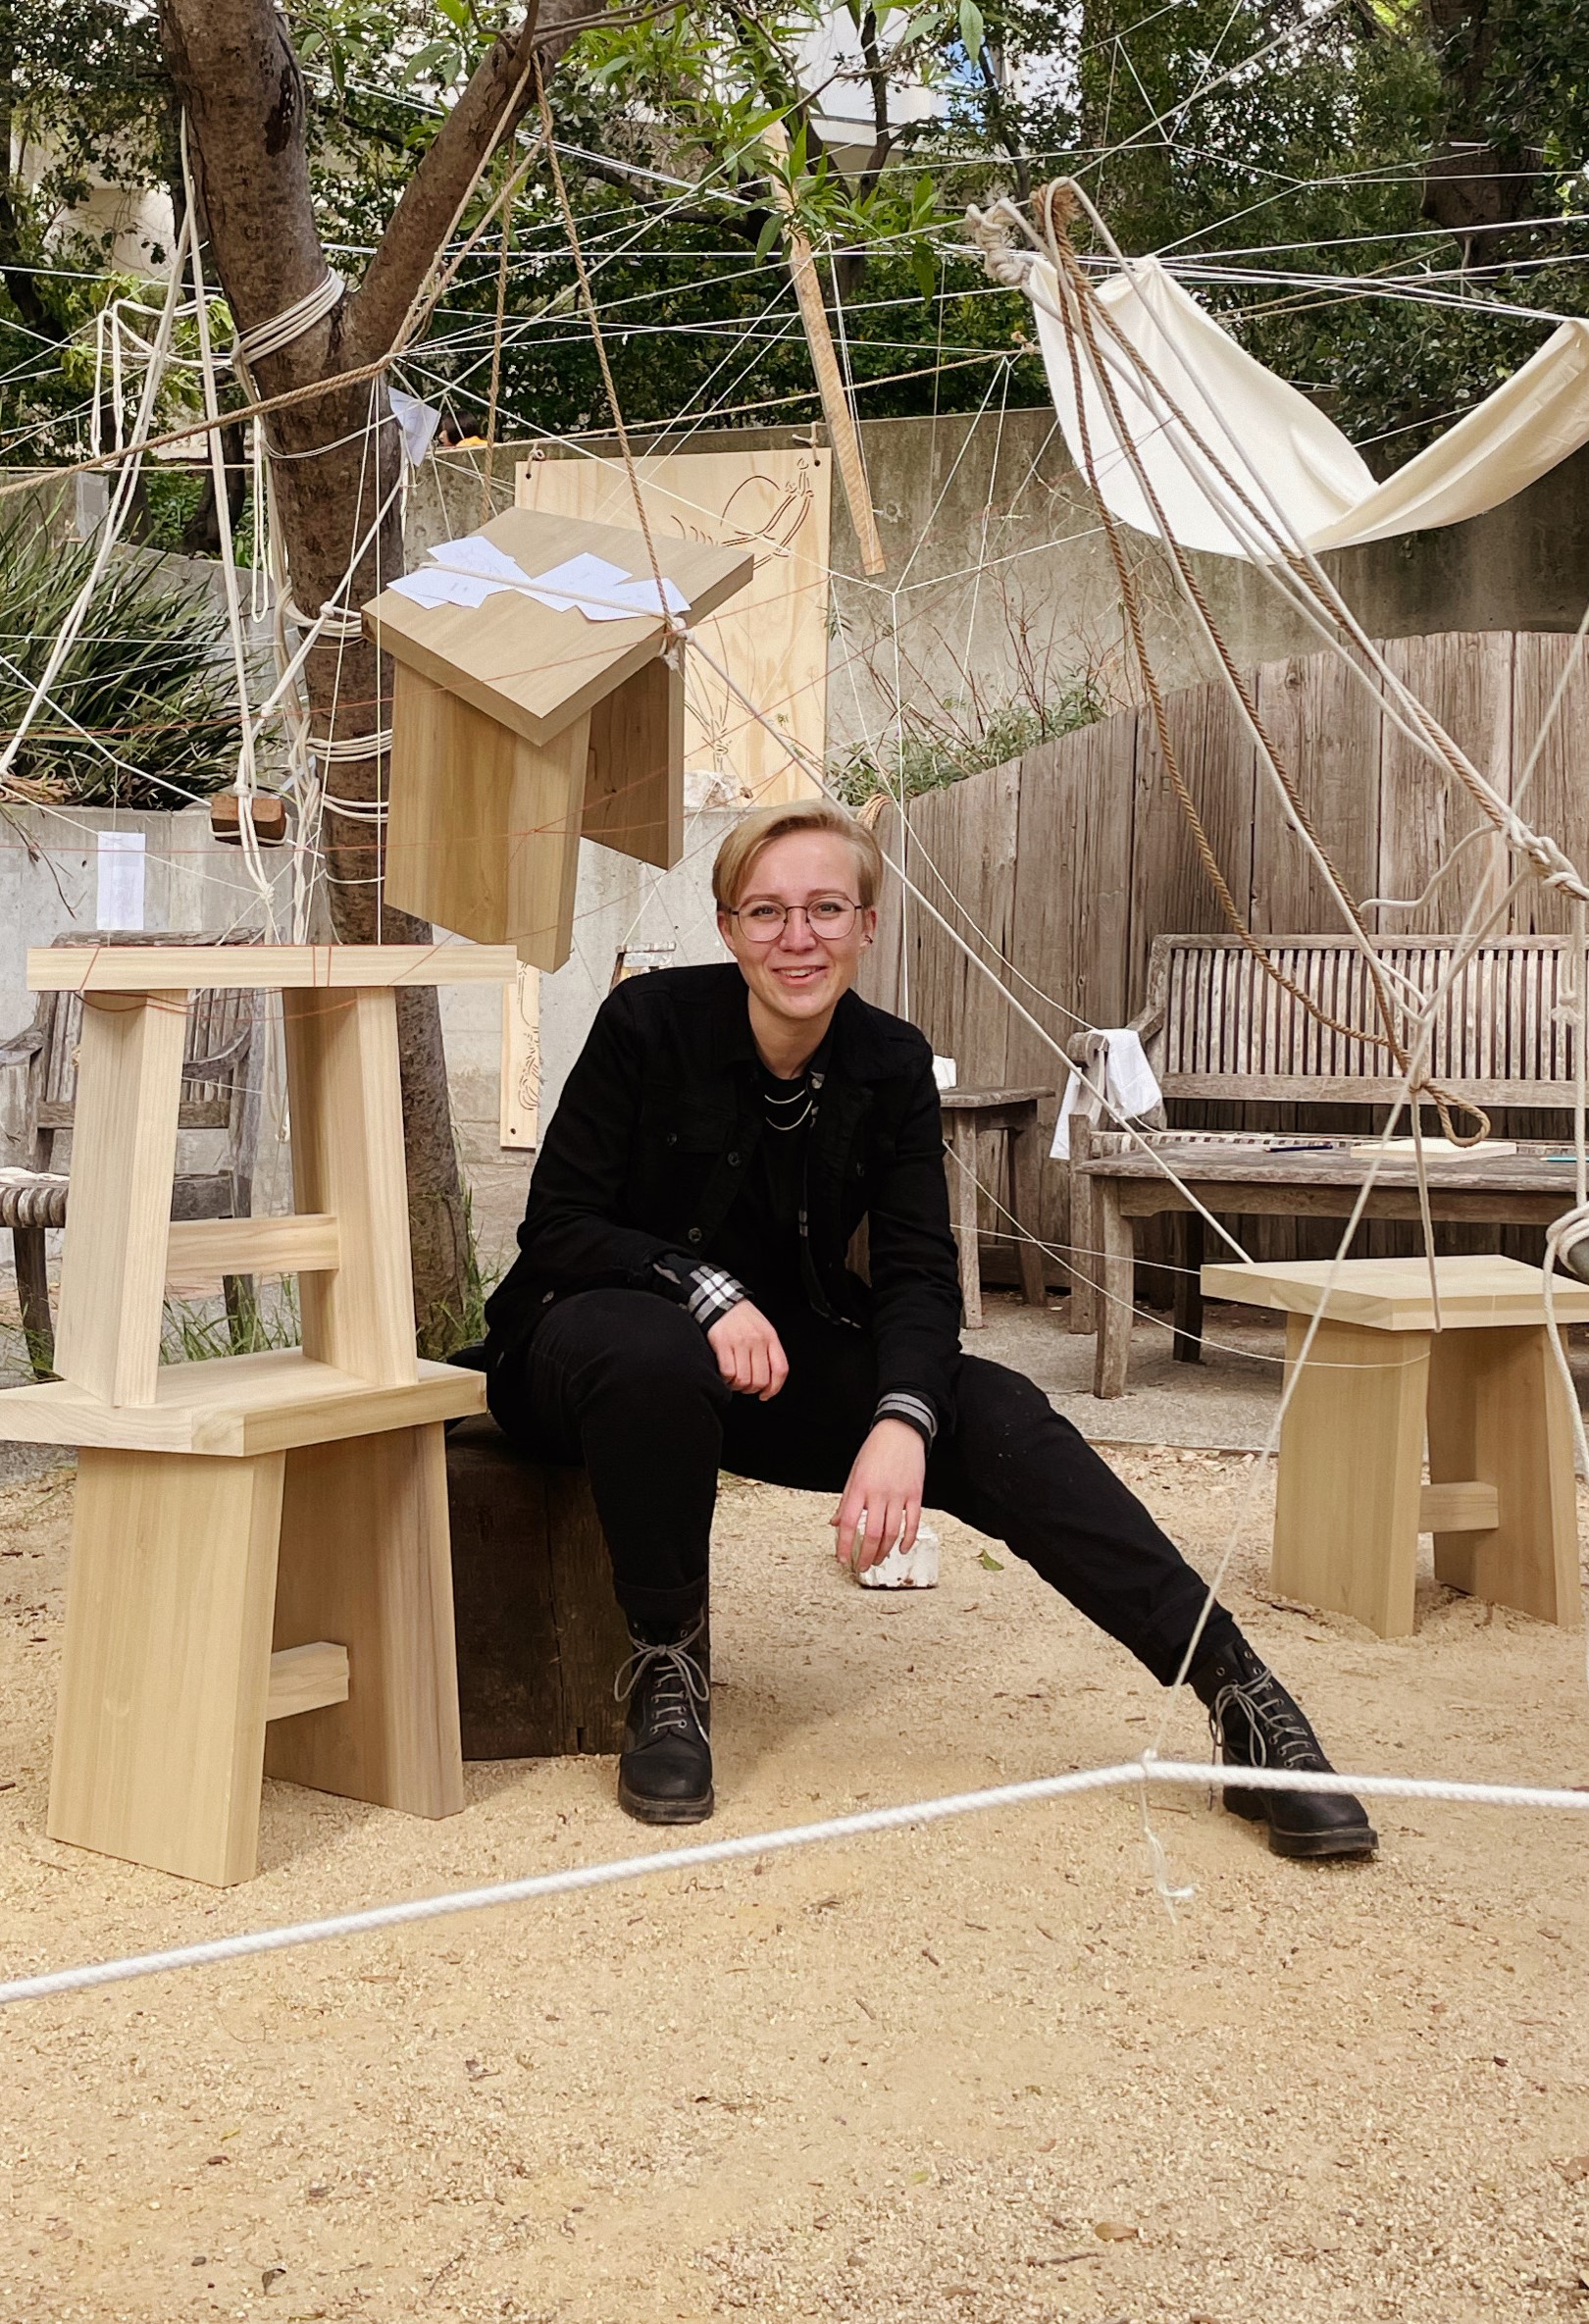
{"x": 1423, "y": 812}
{"x": 773, "y": 638}
{"x": 520, "y": 1117}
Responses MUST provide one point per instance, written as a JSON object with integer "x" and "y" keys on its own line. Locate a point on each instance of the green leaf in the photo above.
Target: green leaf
{"x": 767, "y": 239}
{"x": 989, "y": 1562}
{"x": 924, "y": 265}
{"x": 972, "y": 29}
{"x": 456, "y": 12}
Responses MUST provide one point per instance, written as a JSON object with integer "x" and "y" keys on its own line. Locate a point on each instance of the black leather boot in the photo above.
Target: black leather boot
{"x": 1254, "y": 1723}
{"x": 665, "y": 1768}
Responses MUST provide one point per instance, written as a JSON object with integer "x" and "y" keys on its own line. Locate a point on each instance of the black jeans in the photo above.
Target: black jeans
{"x": 624, "y": 1384}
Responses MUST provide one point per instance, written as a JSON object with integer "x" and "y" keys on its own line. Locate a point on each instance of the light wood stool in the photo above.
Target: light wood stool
{"x": 294, "y": 1501}
{"x": 1350, "y": 1503}
{"x": 1013, "y": 1115}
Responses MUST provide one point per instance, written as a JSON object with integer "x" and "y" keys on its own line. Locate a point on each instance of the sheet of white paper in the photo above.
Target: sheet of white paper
{"x": 429, "y": 586}
{"x": 120, "y": 900}
{"x": 476, "y": 554}
{"x": 417, "y": 423}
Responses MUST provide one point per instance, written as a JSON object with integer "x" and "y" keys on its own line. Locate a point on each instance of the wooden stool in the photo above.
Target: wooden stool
{"x": 1349, "y": 1504}
{"x": 1013, "y": 1115}
{"x": 541, "y": 1636}
{"x": 294, "y": 1501}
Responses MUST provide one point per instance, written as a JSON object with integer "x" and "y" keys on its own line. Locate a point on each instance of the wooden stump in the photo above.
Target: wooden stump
{"x": 540, "y": 1633}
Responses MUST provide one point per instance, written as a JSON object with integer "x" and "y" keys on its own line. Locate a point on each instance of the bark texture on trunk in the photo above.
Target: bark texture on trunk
{"x": 336, "y": 463}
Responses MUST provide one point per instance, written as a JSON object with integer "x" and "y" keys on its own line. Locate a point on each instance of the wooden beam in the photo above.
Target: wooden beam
{"x": 306, "y": 1679}
{"x": 124, "y": 1158}
{"x": 842, "y": 433}
{"x": 1471, "y": 1507}
{"x": 199, "y": 1251}
{"x": 262, "y": 967}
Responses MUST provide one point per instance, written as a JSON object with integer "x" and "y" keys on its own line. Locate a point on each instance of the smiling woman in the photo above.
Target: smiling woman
{"x": 683, "y": 1303}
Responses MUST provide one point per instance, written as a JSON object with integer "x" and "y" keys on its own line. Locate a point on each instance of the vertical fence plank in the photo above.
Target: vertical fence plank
{"x": 1325, "y": 727}
{"x": 1424, "y": 812}
{"x": 1556, "y": 798}
{"x": 1171, "y": 894}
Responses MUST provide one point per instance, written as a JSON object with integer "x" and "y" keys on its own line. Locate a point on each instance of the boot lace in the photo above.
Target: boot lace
{"x": 674, "y": 1683}
{"x": 1277, "y": 1731}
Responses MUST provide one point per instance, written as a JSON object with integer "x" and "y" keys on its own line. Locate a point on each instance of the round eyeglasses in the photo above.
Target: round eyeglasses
{"x": 825, "y": 915}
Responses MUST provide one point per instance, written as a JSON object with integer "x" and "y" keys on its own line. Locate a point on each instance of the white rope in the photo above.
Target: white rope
{"x": 269, "y": 338}
{"x": 350, "y": 750}
{"x": 1126, "y": 1774}
{"x": 332, "y": 625}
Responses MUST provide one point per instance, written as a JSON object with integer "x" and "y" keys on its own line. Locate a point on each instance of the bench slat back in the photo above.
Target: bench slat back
{"x": 1218, "y": 1026}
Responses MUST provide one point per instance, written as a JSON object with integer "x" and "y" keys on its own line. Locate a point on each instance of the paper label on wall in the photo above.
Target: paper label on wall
{"x": 772, "y": 637}
{"x": 120, "y": 867}
{"x": 521, "y": 1060}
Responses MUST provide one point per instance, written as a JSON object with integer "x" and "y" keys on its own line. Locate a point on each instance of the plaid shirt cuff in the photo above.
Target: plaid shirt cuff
{"x": 915, "y": 1411}
{"x": 712, "y": 1293}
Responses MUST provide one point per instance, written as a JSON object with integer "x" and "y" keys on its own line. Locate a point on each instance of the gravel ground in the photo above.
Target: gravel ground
{"x": 972, "y": 2074}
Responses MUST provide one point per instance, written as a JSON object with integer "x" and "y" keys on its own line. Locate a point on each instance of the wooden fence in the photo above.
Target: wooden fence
{"x": 1060, "y": 868}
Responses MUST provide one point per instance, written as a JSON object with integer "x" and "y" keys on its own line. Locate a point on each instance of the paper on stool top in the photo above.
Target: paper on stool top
{"x": 915, "y": 1568}
{"x": 1130, "y": 1084}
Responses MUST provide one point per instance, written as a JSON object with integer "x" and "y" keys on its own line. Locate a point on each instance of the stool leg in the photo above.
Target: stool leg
{"x": 962, "y": 1165}
{"x": 1346, "y": 1513}
{"x": 1116, "y": 1289}
{"x": 1498, "y": 1413}
{"x": 1025, "y": 1194}
{"x": 160, "y": 1728}
{"x": 366, "y": 1563}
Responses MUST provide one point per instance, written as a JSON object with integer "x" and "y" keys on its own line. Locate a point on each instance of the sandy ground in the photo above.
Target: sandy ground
{"x": 971, "y": 2074}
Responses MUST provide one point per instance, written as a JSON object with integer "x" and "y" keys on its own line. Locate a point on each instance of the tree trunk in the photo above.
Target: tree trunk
{"x": 335, "y": 466}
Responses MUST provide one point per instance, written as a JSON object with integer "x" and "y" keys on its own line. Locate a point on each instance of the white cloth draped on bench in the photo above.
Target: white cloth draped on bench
{"x": 1132, "y": 1088}
{"x": 1281, "y": 448}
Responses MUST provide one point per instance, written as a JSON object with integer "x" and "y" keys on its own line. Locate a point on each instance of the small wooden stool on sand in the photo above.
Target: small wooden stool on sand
{"x": 1350, "y": 1502}
{"x": 294, "y": 1500}
{"x": 1011, "y": 1114}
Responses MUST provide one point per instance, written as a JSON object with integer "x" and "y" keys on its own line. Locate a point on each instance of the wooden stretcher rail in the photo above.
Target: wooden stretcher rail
{"x": 265, "y": 967}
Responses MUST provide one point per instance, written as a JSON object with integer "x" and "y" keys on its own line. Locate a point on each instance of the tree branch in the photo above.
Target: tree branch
{"x": 498, "y": 93}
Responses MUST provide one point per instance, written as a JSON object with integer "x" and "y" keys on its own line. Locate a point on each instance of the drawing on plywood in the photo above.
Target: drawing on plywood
{"x": 521, "y": 1060}
{"x": 773, "y": 641}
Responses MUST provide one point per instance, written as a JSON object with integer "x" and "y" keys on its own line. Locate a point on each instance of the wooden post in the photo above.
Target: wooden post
{"x": 1347, "y": 1498}
{"x": 124, "y": 1159}
{"x": 842, "y": 433}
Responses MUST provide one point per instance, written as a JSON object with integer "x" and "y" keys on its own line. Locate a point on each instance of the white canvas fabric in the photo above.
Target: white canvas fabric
{"x": 1287, "y": 456}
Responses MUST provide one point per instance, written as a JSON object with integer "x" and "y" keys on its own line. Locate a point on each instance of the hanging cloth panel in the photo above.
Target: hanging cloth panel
{"x": 1291, "y": 460}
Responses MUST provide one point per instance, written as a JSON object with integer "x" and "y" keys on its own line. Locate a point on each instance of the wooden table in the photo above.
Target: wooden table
{"x": 1012, "y": 1112}
{"x": 1281, "y": 1176}
{"x": 1350, "y": 1503}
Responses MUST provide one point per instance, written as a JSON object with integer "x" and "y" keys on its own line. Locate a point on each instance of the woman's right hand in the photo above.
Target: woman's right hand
{"x": 749, "y": 1354}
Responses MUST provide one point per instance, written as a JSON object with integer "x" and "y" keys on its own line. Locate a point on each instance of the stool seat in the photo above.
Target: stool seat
{"x": 235, "y": 1405}
{"x": 1389, "y": 1365}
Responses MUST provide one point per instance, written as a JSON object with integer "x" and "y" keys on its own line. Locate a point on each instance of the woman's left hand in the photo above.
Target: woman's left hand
{"x": 884, "y": 1488}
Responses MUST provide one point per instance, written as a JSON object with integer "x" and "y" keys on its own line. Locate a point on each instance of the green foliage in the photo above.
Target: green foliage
{"x": 150, "y": 677}
{"x": 962, "y": 736}
{"x": 193, "y": 1331}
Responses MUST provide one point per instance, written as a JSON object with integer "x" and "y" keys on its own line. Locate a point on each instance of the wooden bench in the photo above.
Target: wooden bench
{"x": 1216, "y": 1026}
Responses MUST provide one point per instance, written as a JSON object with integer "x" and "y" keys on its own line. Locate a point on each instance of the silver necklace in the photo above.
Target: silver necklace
{"x": 804, "y": 1092}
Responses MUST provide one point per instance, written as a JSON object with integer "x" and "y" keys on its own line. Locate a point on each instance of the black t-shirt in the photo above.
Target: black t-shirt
{"x": 760, "y": 1241}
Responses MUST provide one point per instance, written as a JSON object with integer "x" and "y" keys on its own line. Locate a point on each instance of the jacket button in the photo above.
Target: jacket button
{"x": 732, "y": 1161}
{"x": 670, "y": 1137}
{"x": 695, "y": 1234}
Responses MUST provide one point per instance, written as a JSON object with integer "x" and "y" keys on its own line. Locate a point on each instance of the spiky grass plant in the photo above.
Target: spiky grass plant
{"x": 149, "y": 679}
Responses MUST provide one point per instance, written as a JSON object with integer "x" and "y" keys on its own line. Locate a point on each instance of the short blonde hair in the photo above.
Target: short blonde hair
{"x": 758, "y": 830}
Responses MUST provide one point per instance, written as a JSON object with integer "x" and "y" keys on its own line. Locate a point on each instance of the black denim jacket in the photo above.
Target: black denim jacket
{"x": 650, "y": 1142}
